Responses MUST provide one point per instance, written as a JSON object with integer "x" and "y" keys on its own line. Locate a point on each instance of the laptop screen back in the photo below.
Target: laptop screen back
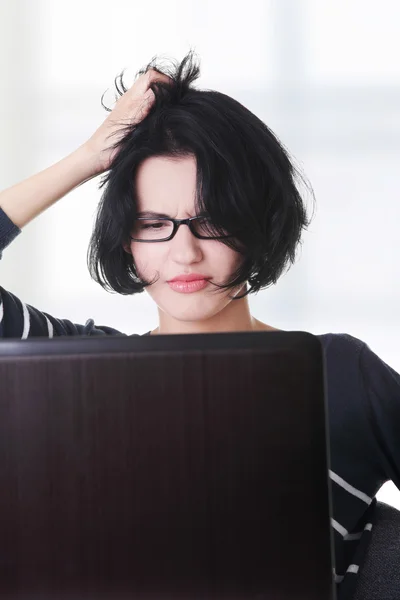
{"x": 164, "y": 467}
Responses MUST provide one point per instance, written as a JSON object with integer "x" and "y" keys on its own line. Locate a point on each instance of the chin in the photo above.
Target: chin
{"x": 191, "y": 312}
{"x": 188, "y": 308}
{"x": 190, "y": 316}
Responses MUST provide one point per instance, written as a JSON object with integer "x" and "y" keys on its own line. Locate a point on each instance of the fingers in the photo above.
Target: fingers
{"x": 141, "y": 93}
{"x": 146, "y": 79}
{"x": 137, "y": 101}
{"x": 145, "y": 105}
{"x": 154, "y": 75}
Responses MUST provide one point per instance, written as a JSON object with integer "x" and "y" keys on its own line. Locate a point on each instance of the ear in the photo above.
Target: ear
{"x": 127, "y": 248}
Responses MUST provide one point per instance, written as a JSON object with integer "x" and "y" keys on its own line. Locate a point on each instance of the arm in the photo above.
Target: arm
{"x": 19, "y": 320}
{"x": 382, "y": 392}
{"x": 19, "y": 205}
{"x": 24, "y": 201}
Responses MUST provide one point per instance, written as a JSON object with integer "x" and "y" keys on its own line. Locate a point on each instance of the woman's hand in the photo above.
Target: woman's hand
{"x": 132, "y": 107}
{"x": 24, "y": 201}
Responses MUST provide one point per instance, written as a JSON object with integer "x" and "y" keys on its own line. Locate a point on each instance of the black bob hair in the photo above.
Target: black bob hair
{"x": 246, "y": 182}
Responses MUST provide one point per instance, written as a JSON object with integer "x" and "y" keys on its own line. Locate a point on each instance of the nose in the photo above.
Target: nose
{"x": 185, "y": 247}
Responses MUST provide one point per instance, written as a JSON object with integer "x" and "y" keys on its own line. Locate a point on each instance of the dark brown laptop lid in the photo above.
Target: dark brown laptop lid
{"x": 164, "y": 467}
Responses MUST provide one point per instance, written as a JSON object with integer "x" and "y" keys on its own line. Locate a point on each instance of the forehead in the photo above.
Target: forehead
{"x": 167, "y": 185}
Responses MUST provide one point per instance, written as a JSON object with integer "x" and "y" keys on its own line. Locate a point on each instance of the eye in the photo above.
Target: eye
{"x": 152, "y": 229}
{"x": 153, "y": 225}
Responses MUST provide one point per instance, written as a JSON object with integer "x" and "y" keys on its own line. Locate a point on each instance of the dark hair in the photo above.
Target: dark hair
{"x": 246, "y": 182}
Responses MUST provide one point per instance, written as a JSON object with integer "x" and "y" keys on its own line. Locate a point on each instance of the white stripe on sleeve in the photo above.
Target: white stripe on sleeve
{"x": 50, "y": 329}
{"x": 337, "y": 578}
{"x": 349, "y": 488}
{"x": 351, "y": 569}
{"x": 356, "y": 536}
{"x": 27, "y": 322}
{"x": 339, "y": 528}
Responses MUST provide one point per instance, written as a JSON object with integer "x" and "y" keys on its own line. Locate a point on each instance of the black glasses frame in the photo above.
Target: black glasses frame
{"x": 176, "y": 224}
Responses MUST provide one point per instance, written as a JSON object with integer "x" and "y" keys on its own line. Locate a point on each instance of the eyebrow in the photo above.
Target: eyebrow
{"x": 148, "y": 214}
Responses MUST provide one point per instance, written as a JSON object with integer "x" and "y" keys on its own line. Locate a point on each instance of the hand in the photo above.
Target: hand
{"x": 131, "y": 108}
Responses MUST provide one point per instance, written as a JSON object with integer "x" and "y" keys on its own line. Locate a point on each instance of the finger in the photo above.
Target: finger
{"x": 154, "y": 75}
{"x": 146, "y": 79}
{"x": 145, "y": 105}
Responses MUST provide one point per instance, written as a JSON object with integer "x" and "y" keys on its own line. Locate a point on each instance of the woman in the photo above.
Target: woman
{"x": 201, "y": 208}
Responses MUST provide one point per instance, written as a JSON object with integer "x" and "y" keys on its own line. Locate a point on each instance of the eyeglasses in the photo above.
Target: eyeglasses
{"x": 162, "y": 229}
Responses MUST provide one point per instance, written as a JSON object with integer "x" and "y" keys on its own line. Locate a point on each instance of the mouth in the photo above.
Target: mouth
{"x": 188, "y": 286}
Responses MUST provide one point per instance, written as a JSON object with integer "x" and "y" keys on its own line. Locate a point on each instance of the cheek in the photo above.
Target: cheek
{"x": 223, "y": 258}
{"x": 148, "y": 259}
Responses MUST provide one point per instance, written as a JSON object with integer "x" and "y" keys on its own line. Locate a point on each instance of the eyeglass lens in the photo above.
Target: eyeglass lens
{"x": 160, "y": 229}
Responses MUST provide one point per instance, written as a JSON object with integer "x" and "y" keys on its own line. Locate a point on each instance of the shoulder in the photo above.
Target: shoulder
{"x": 351, "y": 367}
{"x": 345, "y": 394}
{"x": 352, "y": 355}
{"x": 363, "y": 401}
{"x": 335, "y": 344}
{"x": 342, "y": 354}
{"x": 342, "y": 361}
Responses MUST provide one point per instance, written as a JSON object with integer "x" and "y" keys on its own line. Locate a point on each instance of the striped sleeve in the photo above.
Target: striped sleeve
{"x": 19, "y": 320}
{"x": 381, "y": 386}
{"x": 8, "y": 231}
{"x": 364, "y": 416}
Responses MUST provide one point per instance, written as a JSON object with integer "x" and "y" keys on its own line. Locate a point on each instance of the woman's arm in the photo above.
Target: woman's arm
{"x": 381, "y": 384}
{"x": 26, "y": 200}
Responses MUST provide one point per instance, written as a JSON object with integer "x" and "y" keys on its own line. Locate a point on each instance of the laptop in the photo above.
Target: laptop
{"x": 190, "y": 467}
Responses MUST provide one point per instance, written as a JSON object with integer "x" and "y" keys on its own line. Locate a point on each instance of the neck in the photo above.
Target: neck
{"x": 235, "y": 316}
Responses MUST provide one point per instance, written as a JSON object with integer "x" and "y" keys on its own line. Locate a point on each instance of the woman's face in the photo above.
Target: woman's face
{"x": 168, "y": 186}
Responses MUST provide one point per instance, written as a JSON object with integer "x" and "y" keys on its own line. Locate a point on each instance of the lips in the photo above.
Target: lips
{"x": 188, "y": 284}
{"x": 188, "y": 278}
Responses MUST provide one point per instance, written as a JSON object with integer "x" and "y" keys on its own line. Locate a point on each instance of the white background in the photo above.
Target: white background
{"x": 323, "y": 74}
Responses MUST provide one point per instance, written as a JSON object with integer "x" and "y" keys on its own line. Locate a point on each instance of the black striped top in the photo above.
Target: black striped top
{"x": 363, "y": 412}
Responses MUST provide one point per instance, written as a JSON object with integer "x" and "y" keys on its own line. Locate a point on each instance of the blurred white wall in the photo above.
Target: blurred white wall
{"x": 324, "y": 75}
